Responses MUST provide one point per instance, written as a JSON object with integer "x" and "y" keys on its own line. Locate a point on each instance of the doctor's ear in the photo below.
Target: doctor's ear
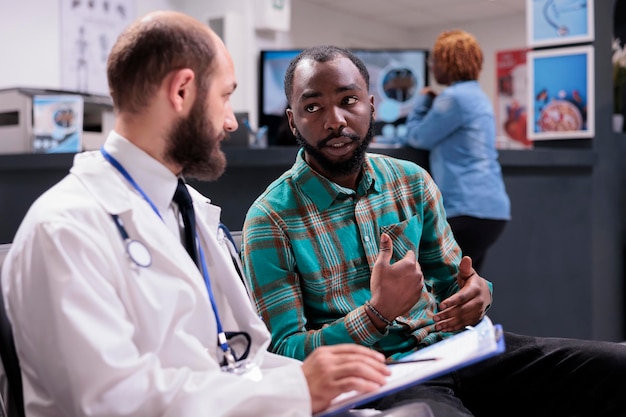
{"x": 180, "y": 89}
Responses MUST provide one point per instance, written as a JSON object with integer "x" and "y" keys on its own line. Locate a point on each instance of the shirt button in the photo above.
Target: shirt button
{"x": 366, "y": 238}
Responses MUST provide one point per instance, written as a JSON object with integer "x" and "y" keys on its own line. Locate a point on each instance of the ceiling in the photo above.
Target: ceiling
{"x": 411, "y": 14}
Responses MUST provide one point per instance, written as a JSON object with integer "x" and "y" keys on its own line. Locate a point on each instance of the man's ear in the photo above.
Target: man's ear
{"x": 373, "y": 107}
{"x": 292, "y": 126}
{"x": 182, "y": 89}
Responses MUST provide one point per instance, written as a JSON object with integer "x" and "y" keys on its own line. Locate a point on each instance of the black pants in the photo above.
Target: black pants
{"x": 475, "y": 236}
{"x": 538, "y": 377}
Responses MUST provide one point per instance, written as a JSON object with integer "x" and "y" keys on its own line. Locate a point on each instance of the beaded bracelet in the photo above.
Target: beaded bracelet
{"x": 377, "y": 314}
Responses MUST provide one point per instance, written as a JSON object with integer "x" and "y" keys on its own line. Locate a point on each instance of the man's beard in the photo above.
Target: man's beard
{"x": 340, "y": 168}
{"x": 195, "y": 145}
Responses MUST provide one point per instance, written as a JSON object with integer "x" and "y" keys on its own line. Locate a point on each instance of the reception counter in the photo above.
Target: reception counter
{"x": 24, "y": 176}
{"x": 557, "y": 270}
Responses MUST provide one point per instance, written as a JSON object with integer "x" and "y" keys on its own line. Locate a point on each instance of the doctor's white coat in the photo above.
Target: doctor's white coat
{"x": 98, "y": 335}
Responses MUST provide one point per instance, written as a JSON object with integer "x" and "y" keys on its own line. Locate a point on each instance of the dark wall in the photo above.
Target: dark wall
{"x": 619, "y": 31}
{"x": 541, "y": 267}
{"x": 619, "y": 21}
{"x": 22, "y": 179}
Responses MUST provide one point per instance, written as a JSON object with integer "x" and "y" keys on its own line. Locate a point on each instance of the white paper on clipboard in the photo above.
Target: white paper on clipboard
{"x": 465, "y": 348}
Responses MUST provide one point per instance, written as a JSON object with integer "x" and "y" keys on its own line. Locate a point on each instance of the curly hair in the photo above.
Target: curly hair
{"x": 322, "y": 53}
{"x": 459, "y": 55}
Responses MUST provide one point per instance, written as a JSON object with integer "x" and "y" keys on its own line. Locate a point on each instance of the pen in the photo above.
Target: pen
{"x": 411, "y": 361}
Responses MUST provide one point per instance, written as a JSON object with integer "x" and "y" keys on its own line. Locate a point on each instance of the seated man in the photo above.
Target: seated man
{"x": 311, "y": 258}
{"x": 112, "y": 315}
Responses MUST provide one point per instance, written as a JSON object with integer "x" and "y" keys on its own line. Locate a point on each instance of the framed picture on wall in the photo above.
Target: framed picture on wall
{"x": 559, "y": 22}
{"x": 511, "y": 107}
{"x": 561, "y": 93}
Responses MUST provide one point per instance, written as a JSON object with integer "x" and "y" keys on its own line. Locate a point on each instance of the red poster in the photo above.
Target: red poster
{"x": 511, "y": 93}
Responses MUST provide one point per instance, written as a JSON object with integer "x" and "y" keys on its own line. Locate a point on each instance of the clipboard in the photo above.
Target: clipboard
{"x": 472, "y": 345}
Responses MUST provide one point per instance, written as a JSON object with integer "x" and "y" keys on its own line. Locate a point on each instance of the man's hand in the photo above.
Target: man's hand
{"x": 333, "y": 370}
{"x": 395, "y": 288}
{"x": 468, "y": 306}
{"x": 466, "y": 271}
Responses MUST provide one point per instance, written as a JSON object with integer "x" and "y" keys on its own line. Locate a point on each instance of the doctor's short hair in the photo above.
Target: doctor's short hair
{"x": 152, "y": 47}
{"x": 459, "y": 55}
{"x": 323, "y": 53}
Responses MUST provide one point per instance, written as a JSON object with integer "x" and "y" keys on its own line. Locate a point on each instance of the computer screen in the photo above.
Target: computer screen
{"x": 272, "y": 101}
{"x": 396, "y": 76}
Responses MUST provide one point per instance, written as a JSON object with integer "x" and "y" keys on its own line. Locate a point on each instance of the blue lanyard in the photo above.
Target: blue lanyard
{"x": 221, "y": 335}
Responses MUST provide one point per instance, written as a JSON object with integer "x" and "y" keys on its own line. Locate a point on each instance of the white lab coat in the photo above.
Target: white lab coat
{"x": 99, "y": 336}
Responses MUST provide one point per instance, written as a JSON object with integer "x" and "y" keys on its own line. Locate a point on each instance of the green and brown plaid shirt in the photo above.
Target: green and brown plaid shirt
{"x": 310, "y": 246}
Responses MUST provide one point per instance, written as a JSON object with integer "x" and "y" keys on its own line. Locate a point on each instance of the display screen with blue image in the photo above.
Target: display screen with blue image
{"x": 396, "y": 76}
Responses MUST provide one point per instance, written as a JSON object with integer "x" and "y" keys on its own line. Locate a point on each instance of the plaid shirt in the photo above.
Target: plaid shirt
{"x": 309, "y": 247}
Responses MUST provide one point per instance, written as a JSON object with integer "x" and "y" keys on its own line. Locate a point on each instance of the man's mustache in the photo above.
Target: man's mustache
{"x": 352, "y": 137}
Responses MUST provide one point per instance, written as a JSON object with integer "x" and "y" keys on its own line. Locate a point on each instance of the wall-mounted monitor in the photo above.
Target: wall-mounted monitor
{"x": 396, "y": 76}
{"x": 272, "y": 101}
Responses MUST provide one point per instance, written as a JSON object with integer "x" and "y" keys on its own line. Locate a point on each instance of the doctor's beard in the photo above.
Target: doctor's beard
{"x": 194, "y": 144}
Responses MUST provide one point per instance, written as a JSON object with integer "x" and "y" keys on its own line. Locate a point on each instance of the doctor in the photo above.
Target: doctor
{"x": 111, "y": 314}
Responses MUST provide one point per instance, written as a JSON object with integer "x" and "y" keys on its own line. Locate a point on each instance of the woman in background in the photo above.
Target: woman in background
{"x": 458, "y": 128}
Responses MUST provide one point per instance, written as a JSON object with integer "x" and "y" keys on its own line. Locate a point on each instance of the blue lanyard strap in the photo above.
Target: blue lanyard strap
{"x": 221, "y": 335}
{"x": 130, "y": 179}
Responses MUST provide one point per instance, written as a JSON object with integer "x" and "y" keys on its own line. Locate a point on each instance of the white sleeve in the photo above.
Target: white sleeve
{"x": 80, "y": 354}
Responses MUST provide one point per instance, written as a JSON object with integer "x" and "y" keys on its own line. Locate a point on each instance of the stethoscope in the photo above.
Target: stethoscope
{"x": 140, "y": 255}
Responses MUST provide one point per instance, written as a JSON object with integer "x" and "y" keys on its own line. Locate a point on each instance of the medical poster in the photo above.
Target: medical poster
{"x": 57, "y": 123}
{"x": 561, "y": 93}
{"x": 89, "y": 28}
{"x": 511, "y": 107}
{"x": 558, "y": 22}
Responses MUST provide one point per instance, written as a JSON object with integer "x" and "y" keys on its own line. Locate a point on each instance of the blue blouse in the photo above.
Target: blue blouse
{"x": 458, "y": 128}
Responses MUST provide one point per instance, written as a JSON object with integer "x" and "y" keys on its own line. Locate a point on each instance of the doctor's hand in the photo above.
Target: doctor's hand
{"x": 467, "y": 307}
{"x": 333, "y": 370}
{"x": 395, "y": 288}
